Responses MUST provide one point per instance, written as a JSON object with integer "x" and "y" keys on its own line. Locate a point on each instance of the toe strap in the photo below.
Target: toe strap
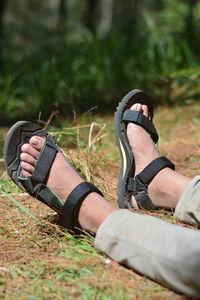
{"x": 47, "y": 196}
{"x": 138, "y": 186}
{"x": 73, "y": 202}
{"x": 45, "y": 160}
{"x": 35, "y": 184}
{"x": 138, "y": 118}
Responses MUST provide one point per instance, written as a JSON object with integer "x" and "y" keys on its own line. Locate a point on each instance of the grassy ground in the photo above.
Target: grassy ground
{"x": 40, "y": 260}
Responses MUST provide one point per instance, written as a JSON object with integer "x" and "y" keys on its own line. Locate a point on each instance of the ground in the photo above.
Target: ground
{"x": 40, "y": 260}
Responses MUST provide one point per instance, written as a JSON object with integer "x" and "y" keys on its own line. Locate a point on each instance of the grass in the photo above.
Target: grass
{"x": 41, "y": 260}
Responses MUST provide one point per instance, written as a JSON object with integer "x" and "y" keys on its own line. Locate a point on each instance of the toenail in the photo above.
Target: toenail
{"x": 24, "y": 147}
{"x": 22, "y": 155}
{"x": 35, "y": 141}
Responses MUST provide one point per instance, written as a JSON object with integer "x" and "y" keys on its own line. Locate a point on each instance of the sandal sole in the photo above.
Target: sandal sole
{"x": 127, "y": 159}
{"x": 18, "y": 134}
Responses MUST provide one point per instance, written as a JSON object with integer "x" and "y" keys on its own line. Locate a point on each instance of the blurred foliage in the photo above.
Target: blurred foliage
{"x": 54, "y": 59}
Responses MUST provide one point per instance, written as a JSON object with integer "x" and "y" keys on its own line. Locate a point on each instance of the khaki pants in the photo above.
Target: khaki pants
{"x": 164, "y": 252}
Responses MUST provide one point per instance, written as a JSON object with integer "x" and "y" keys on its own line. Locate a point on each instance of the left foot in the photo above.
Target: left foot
{"x": 62, "y": 179}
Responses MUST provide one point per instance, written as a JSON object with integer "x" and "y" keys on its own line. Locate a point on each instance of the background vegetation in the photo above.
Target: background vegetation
{"x": 75, "y": 55}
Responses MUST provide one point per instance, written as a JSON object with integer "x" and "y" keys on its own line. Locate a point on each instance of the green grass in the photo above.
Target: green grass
{"x": 41, "y": 260}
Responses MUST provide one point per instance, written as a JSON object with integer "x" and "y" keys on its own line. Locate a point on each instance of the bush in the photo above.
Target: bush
{"x": 69, "y": 73}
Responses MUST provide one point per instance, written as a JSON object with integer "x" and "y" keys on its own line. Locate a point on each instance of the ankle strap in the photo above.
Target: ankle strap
{"x": 138, "y": 186}
{"x": 73, "y": 202}
{"x": 153, "y": 168}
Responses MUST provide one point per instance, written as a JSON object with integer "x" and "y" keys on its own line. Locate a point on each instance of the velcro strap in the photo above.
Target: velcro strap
{"x": 44, "y": 162}
{"x": 139, "y": 185}
{"x": 44, "y": 194}
{"x": 153, "y": 168}
{"x": 138, "y": 118}
{"x": 74, "y": 201}
{"x": 144, "y": 201}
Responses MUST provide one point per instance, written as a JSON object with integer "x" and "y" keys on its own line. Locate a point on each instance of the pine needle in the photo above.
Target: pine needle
{"x": 19, "y": 204}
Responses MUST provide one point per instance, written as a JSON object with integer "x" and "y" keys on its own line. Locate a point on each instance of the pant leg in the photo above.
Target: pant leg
{"x": 164, "y": 252}
{"x": 188, "y": 207}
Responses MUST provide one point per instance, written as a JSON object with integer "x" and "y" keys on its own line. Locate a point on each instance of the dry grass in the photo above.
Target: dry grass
{"x": 43, "y": 261}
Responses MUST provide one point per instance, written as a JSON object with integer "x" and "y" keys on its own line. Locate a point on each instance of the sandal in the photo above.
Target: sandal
{"x": 35, "y": 185}
{"x": 128, "y": 183}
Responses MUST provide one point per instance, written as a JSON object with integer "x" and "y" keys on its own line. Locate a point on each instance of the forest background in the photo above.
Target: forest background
{"x": 73, "y": 56}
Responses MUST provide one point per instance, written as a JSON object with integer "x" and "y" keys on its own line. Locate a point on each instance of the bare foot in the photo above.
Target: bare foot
{"x": 167, "y": 186}
{"x": 62, "y": 179}
{"x": 68, "y": 179}
{"x": 141, "y": 143}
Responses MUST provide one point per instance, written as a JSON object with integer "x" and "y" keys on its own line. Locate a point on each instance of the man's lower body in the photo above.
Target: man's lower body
{"x": 164, "y": 252}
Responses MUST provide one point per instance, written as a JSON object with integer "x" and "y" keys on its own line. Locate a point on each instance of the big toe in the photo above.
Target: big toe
{"x": 142, "y": 108}
{"x": 37, "y": 142}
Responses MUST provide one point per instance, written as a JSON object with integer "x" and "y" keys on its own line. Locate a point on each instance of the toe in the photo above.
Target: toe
{"x": 27, "y": 167}
{"x": 142, "y": 108}
{"x": 26, "y": 174}
{"x": 145, "y": 111}
{"x": 25, "y": 157}
{"x": 37, "y": 142}
{"x": 30, "y": 153}
{"x": 27, "y": 148}
{"x": 136, "y": 106}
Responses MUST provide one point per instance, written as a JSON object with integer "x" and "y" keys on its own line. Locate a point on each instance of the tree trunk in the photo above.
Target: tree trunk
{"x": 2, "y": 13}
{"x": 190, "y": 17}
{"x": 126, "y": 16}
{"x": 62, "y": 15}
{"x": 158, "y": 4}
{"x": 105, "y": 23}
{"x": 189, "y": 24}
{"x": 91, "y": 15}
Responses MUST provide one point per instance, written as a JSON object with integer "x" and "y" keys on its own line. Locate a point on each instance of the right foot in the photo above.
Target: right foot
{"x": 162, "y": 190}
{"x": 141, "y": 143}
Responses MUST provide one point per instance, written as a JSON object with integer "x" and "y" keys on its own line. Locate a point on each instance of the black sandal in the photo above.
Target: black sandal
{"x": 128, "y": 183}
{"x": 35, "y": 185}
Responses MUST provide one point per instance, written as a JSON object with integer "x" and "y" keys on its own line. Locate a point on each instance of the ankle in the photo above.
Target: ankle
{"x": 143, "y": 160}
{"x": 163, "y": 191}
{"x": 93, "y": 211}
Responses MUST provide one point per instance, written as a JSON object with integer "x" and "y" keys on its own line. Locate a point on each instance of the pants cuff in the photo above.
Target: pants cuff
{"x": 188, "y": 207}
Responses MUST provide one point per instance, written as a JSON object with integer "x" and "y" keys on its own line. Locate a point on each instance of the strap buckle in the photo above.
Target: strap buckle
{"x": 139, "y": 190}
{"x": 136, "y": 186}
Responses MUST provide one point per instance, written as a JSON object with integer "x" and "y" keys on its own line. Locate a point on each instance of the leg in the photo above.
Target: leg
{"x": 167, "y": 186}
{"x": 188, "y": 207}
{"x": 164, "y": 252}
